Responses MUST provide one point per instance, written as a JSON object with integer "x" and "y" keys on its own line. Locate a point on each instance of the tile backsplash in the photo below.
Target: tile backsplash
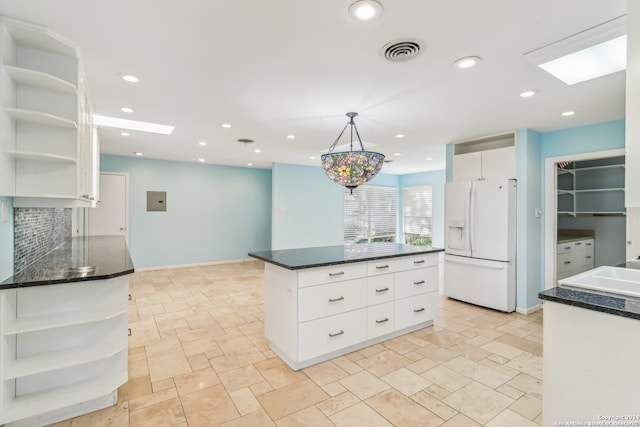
{"x": 37, "y": 231}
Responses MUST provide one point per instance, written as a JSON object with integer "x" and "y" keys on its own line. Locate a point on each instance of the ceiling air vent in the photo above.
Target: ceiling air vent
{"x": 400, "y": 51}
{"x": 245, "y": 140}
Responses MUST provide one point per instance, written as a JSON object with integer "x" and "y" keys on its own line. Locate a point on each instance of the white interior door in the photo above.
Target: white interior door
{"x": 633, "y": 233}
{"x": 110, "y": 217}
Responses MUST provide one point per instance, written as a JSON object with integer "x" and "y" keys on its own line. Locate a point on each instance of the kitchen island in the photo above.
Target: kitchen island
{"x": 324, "y": 302}
{"x": 591, "y": 374}
{"x": 64, "y": 330}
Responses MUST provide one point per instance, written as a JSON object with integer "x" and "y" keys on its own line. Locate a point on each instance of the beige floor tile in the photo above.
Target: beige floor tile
{"x": 338, "y": 403}
{"x": 501, "y": 349}
{"x": 228, "y": 362}
{"x": 137, "y": 353}
{"x": 254, "y": 419}
{"x": 469, "y": 351}
{"x": 260, "y": 388}
{"x": 198, "y": 361}
{"x": 326, "y": 372}
{"x": 437, "y": 353}
{"x": 282, "y": 375}
{"x": 405, "y": 381}
{"x": 421, "y": 365}
{"x": 528, "y": 406}
{"x": 384, "y": 362}
{"x": 401, "y": 410}
{"x": 523, "y": 344}
{"x": 461, "y": 420}
{"x": 207, "y": 407}
{"x": 235, "y": 345}
{"x": 334, "y": 389}
{"x": 245, "y": 401}
{"x": 509, "y": 391}
{"x": 528, "y": 364}
{"x": 166, "y": 413}
{"x": 310, "y": 416}
{"x": 477, "y": 372}
{"x": 163, "y": 385}
{"x": 138, "y": 368}
{"x": 113, "y": 416}
{"x": 364, "y": 384}
{"x": 135, "y": 387}
{"x": 194, "y": 381}
{"x": 359, "y": 415}
{"x": 347, "y": 365}
{"x": 510, "y": 419}
{"x": 527, "y": 384}
{"x": 445, "y": 338}
{"x": 166, "y": 346}
{"x": 436, "y": 406}
{"x": 478, "y": 402}
{"x": 402, "y": 344}
{"x": 286, "y": 400}
{"x": 168, "y": 365}
{"x": 152, "y": 399}
{"x": 446, "y": 378}
{"x": 436, "y": 391}
{"x": 206, "y": 345}
{"x": 240, "y": 377}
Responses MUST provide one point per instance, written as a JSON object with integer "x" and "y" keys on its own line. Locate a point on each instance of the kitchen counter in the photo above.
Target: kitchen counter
{"x": 79, "y": 259}
{"x": 568, "y": 235}
{"x": 616, "y": 304}
{"x": 295, "y": 259}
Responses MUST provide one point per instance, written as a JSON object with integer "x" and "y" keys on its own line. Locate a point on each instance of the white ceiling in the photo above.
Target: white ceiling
{"x": 273, "y": 68}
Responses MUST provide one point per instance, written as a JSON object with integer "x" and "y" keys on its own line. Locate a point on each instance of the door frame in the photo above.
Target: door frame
{"x": 551, "y": 208}
{"x": 83, "y": 214}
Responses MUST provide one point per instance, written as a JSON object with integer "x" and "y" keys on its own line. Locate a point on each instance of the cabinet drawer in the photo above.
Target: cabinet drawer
{"x": 583, "y": 244}
{"x": 382, "y": 266}
{"x": 326, "y": 300}
{"x": 380, "y": 320}
{"x": 380, "y": 289}
{"x": 562, "y": 248}
{"x": 414, "y": 282}
{"x": 333, "y": 273}
{"x": 418, "y": 261}
{"x": 413, "y": 310}
{"x": 565, "y": 262}
{"x": 321, "y": 336}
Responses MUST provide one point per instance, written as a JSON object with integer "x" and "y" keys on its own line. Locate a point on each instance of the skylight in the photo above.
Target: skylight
{"x": 115, "y": 122}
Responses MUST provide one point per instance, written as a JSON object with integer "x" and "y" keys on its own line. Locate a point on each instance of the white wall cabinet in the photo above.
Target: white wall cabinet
{"x": 46, "y": 133}
{"x": 315, "y": 314}
{"x": 487, "y": 158}
{"x": 64, "y": 349}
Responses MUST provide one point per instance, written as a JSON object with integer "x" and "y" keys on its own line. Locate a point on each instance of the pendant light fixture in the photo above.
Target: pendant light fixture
{"x": 351, "y": 168}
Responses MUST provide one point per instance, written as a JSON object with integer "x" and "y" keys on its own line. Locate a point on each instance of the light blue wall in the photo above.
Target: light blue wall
{"x": 584, "y": 139}
{"x": 308, "y": 208}
{"x": 6, "y": 243}
{"x": 214, "y": 213}
{"x": 436, "y": 180}
{"x": 529, "y": 252}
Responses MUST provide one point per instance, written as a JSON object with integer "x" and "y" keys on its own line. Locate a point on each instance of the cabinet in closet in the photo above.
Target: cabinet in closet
{"x": 47, "y": 147}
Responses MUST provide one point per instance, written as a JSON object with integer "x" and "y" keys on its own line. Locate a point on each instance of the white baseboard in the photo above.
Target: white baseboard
{"x": 197, "y": 264}
{"x": 529, "y": 310}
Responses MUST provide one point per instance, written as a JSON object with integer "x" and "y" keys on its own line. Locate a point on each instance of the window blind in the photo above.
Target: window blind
{"x": 418, "y": 215}
{"x": 370, "y": 214}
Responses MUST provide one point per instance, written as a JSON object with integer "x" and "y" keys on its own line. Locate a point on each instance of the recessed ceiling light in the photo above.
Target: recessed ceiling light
{"x": 291, "y": 136}
{"x": 365, "y": 10}
{"x": 201, "y": 159}
{"x": 115, "y": 122}
{"x": 429, "y": 158}
{"x": 225, "y": 125}
{"x": 257, "y": 150}
{"x": 126, "y": 109}
{"x": 203, "y": 143}
{"x": 137, "y": 153}
{"x": 528, "y": 93}
{"x": 400, "y": 135}
{"x": 125, "y": 134}
{"x": 467, "y": 62}
{"x": 568, "y": 113}
{"x": 129, "y": 78}
{"x": 397, "y": 154}
{"x": 249, "y": 164}
{"x": 312, "y": 157}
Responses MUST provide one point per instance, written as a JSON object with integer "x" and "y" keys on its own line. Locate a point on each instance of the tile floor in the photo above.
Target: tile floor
{"x": 198, "y": 357}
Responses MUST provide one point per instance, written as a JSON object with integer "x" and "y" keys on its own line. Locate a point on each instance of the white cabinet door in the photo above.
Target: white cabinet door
{"x": 499, "y": 163}
{"x": 110, "y": 216}
{"x": 467, "y": 167}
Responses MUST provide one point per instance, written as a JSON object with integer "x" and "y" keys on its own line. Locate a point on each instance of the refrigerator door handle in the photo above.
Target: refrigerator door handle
{"x": 475, "y": 262}
{"x": 470, "y": 215}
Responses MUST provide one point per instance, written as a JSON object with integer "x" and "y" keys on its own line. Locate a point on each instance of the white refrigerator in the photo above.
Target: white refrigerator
{"x": 480, "y": 243}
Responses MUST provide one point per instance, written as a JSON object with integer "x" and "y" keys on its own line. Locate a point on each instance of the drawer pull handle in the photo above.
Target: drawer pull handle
{"x": 336, "y": 334}
{"x": 567, "y": 262}
{"x": 340, "y": 298}
{"x": 386, "y": 319}
{"x": 419, "y": 262}
{"x": 382, "y": 290}
{"x": 418, "y": 310}
{"x": 129, "y": 297}
{"x": 339, "y": 273}
{"x": 567, "y": 247}
{"x": 588, "y": 256}
{"x": 381, "y": 267}
{"x": 421, "y": 282}
{"x": 129, "y": 331}
{"x": 588, "y": 244}
{"x": 578, "y": 243}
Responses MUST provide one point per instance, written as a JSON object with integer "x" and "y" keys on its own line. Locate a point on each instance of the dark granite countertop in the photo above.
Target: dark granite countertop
{"x": 295, "y": 259}
{"x": 616, "y": 304}
{"x": 106, "y": 257}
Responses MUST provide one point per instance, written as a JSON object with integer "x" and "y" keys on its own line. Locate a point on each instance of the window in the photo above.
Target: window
{"x": 370, "y": 214}
{"x": 417, "y": 215}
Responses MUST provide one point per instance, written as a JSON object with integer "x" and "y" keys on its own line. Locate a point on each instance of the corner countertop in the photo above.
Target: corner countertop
{"x": 295, "y": 259}
{"x": 107, "y": 257}
{"x": 616, "y": 304}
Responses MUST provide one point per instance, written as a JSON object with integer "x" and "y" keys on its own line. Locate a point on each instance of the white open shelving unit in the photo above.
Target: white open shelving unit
{"x": 46, "y": 138}
{"x": 64, "y": 349}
